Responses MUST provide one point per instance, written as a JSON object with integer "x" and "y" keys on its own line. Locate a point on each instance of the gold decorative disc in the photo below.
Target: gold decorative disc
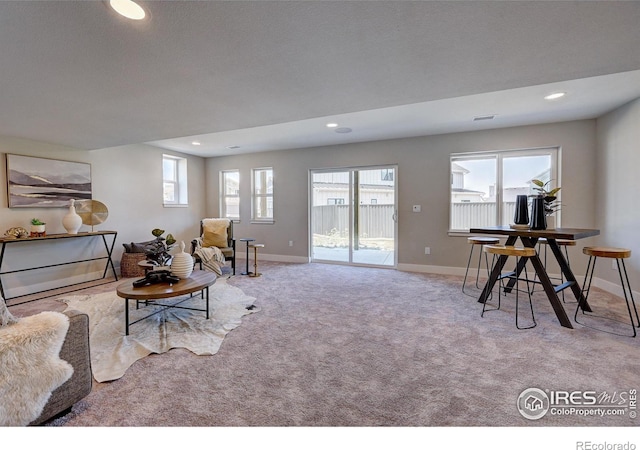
{"x": 92, "y": 212}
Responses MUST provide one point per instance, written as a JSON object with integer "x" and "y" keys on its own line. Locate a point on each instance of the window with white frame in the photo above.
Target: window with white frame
{"x": 230, "y": 194}
{"x": 484, "y": 185}
{"x": 174, "y": 181}
{"x": 262, "y": 195}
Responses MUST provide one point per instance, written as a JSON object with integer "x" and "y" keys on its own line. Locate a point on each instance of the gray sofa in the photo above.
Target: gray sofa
{"x": 75, "y": 350}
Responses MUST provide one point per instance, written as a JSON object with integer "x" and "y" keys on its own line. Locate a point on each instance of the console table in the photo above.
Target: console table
{"x": 51, "y": 238}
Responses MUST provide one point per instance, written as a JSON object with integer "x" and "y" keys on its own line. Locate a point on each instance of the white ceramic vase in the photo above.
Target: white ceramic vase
{"x": 182, "y": 263}
{"x": 72, "y": 221}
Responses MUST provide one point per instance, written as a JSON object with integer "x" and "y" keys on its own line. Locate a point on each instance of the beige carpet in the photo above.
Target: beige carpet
{"x": 337, "y": 346}
{"x": 112, "y": 352}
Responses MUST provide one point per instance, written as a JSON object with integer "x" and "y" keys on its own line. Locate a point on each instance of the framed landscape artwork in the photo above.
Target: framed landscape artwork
{"x": 42, "y": 182}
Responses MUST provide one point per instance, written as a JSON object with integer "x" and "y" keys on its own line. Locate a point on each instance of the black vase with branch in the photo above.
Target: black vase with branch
{"x": 545, "y": 203}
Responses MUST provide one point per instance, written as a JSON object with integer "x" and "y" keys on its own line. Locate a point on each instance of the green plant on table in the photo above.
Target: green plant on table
{"x": 37, "y": 222}
{"x": 550, "y": 196}
{"x": 157, "y": 251}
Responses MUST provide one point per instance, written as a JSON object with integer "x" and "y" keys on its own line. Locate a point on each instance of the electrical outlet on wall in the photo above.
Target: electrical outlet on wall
{"x": 427, "y": 250}
{"x": 290, "y": 243}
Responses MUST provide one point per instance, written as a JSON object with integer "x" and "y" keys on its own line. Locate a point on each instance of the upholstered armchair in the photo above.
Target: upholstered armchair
{"x": 216, "y": 233}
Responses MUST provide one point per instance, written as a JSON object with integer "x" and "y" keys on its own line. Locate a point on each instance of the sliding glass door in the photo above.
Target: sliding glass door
{"x": 353, "y": 216}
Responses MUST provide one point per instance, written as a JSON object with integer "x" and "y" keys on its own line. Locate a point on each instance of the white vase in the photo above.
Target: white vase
{"x": 72, "y": 221}
{"x": 182, "y": 263}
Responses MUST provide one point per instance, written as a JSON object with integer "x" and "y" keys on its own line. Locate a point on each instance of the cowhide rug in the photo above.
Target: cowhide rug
{"x": 30, "y": 366}
{"x": 112, "y": 352}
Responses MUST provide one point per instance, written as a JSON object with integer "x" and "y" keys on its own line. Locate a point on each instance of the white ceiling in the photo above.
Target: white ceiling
{"x": 267, "y": 75}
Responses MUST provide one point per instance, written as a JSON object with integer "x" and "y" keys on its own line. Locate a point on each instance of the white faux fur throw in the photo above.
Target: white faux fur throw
{"x": 6, "y": 318}
{"x": 30, "y": 366}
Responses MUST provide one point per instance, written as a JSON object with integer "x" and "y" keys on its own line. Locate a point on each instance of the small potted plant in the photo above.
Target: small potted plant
{"x": 37, "y": 228}
{"x": 157, "y": 251}
{"x": 549, "y": 199}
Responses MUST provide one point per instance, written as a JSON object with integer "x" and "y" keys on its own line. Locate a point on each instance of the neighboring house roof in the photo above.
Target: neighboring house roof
{"x": 455, "y": 167}
{"x": 467, "y": 191}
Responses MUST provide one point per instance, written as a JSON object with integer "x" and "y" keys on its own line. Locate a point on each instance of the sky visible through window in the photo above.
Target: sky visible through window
{"x": 517, "y": 171}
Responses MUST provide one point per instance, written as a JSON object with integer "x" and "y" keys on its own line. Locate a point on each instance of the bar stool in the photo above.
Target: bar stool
{"x": 518, "y": 252}
{"x": 563, "y": 244}
{"x": 478, "y": 240}
{"x": 619, "y": 254}
{"x": 255, "y": 248}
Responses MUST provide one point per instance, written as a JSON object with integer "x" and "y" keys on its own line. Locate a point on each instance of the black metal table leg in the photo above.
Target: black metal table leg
{"x": 246, "y": 241}
{"x": 109, "y": 252}
{"x": 126, "y": 316}
{"x": 568, "y": 275}
{"x": 550, "y": 291}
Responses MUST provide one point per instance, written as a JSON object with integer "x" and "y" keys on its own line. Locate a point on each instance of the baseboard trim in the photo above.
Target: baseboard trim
{"x": 15, "y": 292}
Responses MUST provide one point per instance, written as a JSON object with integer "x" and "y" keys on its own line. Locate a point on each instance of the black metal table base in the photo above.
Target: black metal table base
{"x": 204, "y": 294}
{"x": 543, "y": 277}
{"x": 50, "y": 238}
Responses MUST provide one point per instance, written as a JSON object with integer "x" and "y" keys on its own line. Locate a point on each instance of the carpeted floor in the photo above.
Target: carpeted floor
{"x": 350, "y": 346}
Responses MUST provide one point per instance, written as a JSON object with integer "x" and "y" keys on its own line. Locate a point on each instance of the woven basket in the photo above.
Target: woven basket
{"x": 129, "y": 265}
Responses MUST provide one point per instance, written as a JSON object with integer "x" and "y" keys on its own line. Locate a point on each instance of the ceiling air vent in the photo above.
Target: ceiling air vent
{"x": 478, "y": 118}
{"x": 343, "y": 130}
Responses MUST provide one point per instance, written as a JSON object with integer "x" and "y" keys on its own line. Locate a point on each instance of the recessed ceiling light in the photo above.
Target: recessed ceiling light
{"x": 129, "y": 9}
{"x": 195, "y": 143}
{"x": 555, "y": 96}
{"x": 332, "y": 125}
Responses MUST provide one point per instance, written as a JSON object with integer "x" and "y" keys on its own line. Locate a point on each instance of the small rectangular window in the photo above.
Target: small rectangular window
{"x": 262, "y": 197}
{"x": 230, "y": 194}
{"x": 174, "y": 181}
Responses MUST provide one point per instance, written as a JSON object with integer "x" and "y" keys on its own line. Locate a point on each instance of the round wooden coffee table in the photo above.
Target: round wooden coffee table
{"x": 199, "y": 280}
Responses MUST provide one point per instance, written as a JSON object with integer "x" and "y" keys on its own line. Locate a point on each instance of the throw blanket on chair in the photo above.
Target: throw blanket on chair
{"x": 31, "y": 368}
{"x": 211, "y": 257}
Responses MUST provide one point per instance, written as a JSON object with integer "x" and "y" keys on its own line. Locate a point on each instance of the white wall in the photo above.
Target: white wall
{"x": 128, "y": 180}
{"x": 617, "y": 187}
{"x": 423, "y": 179}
